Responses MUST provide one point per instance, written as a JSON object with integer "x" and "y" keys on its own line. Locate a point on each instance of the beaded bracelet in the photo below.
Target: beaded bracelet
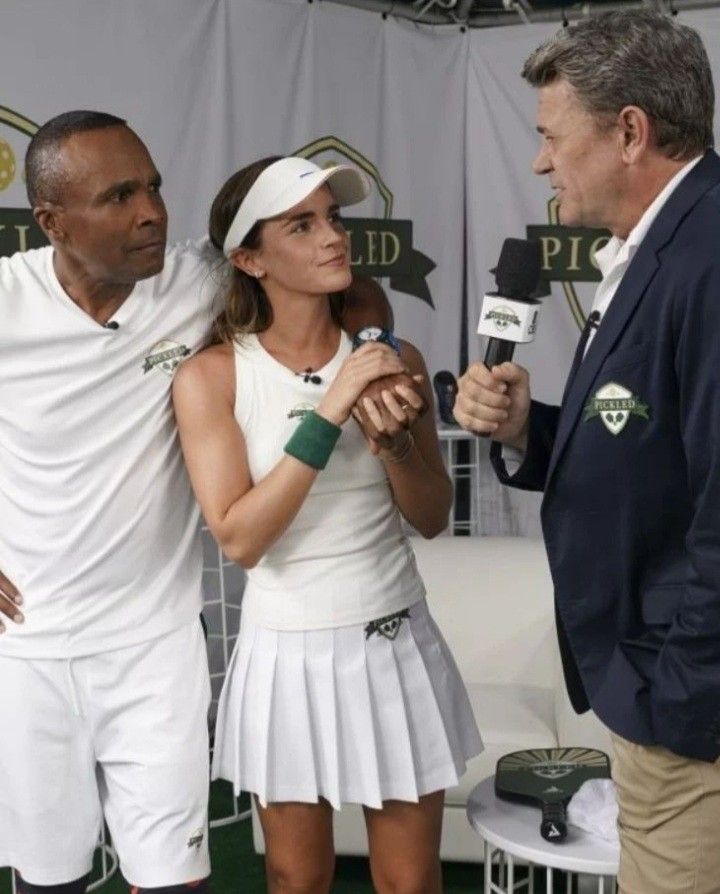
{"x": 313, "y": 440}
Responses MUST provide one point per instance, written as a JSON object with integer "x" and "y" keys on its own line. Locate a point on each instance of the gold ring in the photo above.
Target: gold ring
{"x": 405, "y": 407}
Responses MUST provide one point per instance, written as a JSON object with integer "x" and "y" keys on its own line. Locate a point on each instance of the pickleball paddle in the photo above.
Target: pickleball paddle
{"x": 549, "y": 777}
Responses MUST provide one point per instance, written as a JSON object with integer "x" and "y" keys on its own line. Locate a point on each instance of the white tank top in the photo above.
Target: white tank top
{"x": 344, "y": 559}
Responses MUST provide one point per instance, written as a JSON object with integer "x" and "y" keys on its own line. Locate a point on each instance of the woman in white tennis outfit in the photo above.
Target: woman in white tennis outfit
{"x": 341, "y": 688}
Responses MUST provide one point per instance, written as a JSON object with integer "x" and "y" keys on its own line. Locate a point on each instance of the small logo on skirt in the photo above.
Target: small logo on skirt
{"x": 196, "y": 839}
{"x": 387, "y": 626}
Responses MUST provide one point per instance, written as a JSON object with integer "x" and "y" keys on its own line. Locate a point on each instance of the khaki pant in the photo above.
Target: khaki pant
{"x": 669, "y": 821}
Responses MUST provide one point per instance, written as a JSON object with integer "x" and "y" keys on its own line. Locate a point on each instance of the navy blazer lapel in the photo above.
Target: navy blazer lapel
{"x": 632, "y": 287}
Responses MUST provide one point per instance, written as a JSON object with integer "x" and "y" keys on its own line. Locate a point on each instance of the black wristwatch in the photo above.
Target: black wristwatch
{"x": 375, "y": 333}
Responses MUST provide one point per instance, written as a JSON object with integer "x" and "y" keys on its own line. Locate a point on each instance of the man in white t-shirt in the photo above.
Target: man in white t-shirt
{"x": 104, "y": 672}
{"x": 104, "y": 681}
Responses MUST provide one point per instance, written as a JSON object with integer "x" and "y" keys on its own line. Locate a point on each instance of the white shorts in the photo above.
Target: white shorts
{"x": 122, "y": 734}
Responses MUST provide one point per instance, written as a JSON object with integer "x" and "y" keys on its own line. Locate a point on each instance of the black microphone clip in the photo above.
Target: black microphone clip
{"x": 111, "y": 324}
{"x": 446, "y": 390}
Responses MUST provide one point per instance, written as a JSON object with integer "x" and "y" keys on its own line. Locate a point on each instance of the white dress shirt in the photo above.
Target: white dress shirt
{"x": 614, "y": 257}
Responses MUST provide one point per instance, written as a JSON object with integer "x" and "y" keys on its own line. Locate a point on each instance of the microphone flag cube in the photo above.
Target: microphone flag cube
{"x": 508, "y": 319}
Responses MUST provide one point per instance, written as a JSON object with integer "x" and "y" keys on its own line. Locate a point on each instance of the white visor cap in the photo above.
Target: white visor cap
{"x": 284, "y": 184}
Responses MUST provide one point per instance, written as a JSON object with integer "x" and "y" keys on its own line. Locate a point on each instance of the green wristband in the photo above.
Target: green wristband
{"x": 313, "y": 440}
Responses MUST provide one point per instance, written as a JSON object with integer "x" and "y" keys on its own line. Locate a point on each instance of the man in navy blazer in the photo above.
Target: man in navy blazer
{"x": 630, "y": 461}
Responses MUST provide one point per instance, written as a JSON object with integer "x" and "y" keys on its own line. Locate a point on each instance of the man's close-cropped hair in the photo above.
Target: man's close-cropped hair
{"x": 43, "y": 170}
{"x": 635, "y": 58}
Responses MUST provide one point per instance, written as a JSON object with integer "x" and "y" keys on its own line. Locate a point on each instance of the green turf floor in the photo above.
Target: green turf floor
{"x": 237, "y": 869}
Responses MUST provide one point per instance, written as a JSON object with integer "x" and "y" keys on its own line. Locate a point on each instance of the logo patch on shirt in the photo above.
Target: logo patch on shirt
{"x": 300, "y": 410}
{"x": 614, "y": 404}
{"x": 165, "y": 355}
{"x": 503, "y": 317}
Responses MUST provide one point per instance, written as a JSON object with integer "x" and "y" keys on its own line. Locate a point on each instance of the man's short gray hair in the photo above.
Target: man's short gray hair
{"x": 638, "y": 58}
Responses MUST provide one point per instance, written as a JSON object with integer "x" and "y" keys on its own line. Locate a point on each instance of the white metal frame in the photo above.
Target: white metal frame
{"x": 108, "y": 865}
{"x": 505, "y": 881}
{"x": 468, "y": 471}
{"x": 236, "y": 815}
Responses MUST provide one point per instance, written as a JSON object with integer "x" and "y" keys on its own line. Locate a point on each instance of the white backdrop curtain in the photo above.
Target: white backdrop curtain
{"x": 211, "y": 85}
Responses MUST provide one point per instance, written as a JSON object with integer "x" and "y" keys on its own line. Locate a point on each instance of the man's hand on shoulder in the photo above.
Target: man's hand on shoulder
{"x": 10, "y": 599}
{"x": 495, "y": 402}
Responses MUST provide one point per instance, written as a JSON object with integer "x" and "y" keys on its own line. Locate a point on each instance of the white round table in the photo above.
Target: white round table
{"x": 511, "y": 831}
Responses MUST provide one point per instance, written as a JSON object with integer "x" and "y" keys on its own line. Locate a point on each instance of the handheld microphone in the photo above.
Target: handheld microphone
{"x": 446, "y": 390}
{"x": 509, "y": 316}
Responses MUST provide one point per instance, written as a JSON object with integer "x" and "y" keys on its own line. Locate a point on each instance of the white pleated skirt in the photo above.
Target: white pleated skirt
{"x": 353, "y": 714}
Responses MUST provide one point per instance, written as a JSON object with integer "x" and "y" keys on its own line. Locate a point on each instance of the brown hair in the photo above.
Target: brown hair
{"x": 246, "y": 306}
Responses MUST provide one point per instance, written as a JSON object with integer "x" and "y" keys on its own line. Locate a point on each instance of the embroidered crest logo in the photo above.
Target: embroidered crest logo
{"x": 502, "y": 317}
{"x": 387, "y": 626}
{"x": 166, "y": 356}
{"x": 300, "y": 410}
{"x": 615, "y": 404}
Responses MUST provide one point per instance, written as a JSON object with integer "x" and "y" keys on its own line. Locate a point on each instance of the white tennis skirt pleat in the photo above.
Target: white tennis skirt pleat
{"x": 344, "y": 716}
